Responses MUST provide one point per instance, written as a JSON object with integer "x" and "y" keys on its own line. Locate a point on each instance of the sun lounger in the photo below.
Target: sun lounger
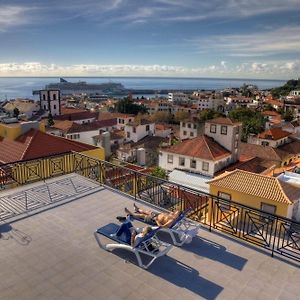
{"x": 182, "y": 230}
{"x": 150, "y": 245}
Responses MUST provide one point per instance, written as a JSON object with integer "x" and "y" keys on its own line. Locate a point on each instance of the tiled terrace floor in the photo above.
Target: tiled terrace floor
{"x": 54, "y": 255}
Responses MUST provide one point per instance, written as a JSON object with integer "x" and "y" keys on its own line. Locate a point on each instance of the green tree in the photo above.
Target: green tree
{"x": 284, "y": 90}
{"x": 181, "y": 115}
{"x": 160, "y": 116}
{"x": 159, "y": 172}
{"x": 209, "y": 114}
{"x": 288, "y": 116}
{"x": 127, "y": 106}
{"x": 16, "y": 112}
{"x": 253, "y": 122}
{"x": 50, "y": 120}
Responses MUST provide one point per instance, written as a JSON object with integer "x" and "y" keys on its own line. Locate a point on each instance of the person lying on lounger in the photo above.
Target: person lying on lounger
{"x": 135, "y": 235}
{"x": 163, "y": 219}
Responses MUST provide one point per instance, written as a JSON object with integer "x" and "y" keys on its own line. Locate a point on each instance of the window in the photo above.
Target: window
{"x": 54, "y": 106}
{"x": 191, "y": 133}
{"x": 181, "y": 161}
{"x": 205, "y": 166}
{"x": 134, "y": 129}
{"x": 268, "y": 208}
{"x": 224, "y": 130}
{"x": 184, "y": 132}
{"x": 189, "y": 125}
{"x": 195, "y": 126}
{"x": 193, "y": 163}
{"x": 170, "y": 158}
{"x": 264, "y": 143}
{"x": 44, "y": 97}
{"x": 44, "y": 107}
{"x": 147, "y": 127}
{"x": 183, "y": 124}
{"x": 224, "y": 205}
{"x": 54, "y": 96}
{"x": 128, "y": 134}
{"x": 213, "y": 128}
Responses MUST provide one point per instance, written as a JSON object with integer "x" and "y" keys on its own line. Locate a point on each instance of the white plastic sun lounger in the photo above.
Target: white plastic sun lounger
{"x": 150, "y": 245}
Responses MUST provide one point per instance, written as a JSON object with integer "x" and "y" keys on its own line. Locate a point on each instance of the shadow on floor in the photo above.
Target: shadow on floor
{"x": 177, "y": 273}
{"x": 214, "y": 251}
{"x": 185, "y": 277}
{"x": 7, "y": 232}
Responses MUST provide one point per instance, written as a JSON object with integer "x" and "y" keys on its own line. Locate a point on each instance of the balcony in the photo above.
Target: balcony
{"x": 48, "y": 250}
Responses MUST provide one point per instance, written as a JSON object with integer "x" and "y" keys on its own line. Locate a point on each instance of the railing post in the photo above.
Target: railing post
{"x": 135, "y": 185}
{"x": 26, "y": 201}
{"x": 211, "y": 211}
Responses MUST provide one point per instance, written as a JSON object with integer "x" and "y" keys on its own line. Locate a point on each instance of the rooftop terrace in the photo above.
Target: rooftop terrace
{"x": 53, "y": 254}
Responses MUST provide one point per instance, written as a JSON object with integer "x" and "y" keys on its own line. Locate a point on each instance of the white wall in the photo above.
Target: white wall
{"x": 140, "y": 133}
{"x": 163, "y": 163}
{"x": 188, "y": 130}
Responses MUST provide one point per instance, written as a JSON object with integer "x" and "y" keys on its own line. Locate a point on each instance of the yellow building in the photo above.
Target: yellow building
{"x": 13, "y": 130}
{"x": 258, "y": 191}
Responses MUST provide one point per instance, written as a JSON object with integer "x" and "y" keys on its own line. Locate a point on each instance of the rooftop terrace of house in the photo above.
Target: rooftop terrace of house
{"x": 53, "y": 254}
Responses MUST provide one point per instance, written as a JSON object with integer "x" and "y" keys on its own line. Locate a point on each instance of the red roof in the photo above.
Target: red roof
{"x": 77, "y": 116}
{"x": 35, "y": 144}
{"x": 274, "y": 134}
{"x": 223, "y": 121}
{"x": 201, "y": 147}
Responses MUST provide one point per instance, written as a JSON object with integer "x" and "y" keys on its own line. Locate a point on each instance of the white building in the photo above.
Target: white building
{"x": 50, "y": 101}
{"x": 135, "y": 131}
{"x": 188, "y": 129}
{"x": 295, "y": 93}
{"x": 273, "y": 137}
{"x": 179, "y": 98}
{"x": 163, "y": 130}
{"x": 226, "y": 132}
{"x": 199, "y": 155}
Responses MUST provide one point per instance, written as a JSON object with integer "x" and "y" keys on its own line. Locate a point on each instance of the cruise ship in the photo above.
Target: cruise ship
{"x": 81, "y": 87}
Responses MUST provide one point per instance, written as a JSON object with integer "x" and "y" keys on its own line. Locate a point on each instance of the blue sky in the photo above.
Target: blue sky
{"x": 196, "y": 38}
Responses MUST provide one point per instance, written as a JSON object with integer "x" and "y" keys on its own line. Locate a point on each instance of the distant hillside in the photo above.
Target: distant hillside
{"x": 284, "y": 90}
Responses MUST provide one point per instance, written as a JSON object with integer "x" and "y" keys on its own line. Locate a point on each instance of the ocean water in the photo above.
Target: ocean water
{"x": 14, "y": 87}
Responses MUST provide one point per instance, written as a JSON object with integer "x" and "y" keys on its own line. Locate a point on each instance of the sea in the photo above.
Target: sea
{"x": 22, "y": 87}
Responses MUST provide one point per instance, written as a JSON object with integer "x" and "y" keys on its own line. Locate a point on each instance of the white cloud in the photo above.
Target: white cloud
{"x": 288, "y": 69}
{"x": 13, "y": 15}
{"x": 281, "y": 40}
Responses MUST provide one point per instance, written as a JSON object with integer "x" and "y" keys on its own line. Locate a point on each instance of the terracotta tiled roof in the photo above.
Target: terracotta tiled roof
{"x": 256, "y": 165}
{"x": 264, "y": 152}
{"x": 270, "y": 113}
{"x": 291, "y": 148}
{"x": 71, "y": 110}
{"x": 91, "y": 126}
{"x": 273, "y": 134}
{"x": 257, "y": 185}
{"x": 108, "y": 115}
{"x": 140, "y": 122}
{"x": 35, "y": 143}
{"x": 201, "y": 147}
{"x": 162, "y": 127}
{"x": 224, "y": 121}
{"x": 62, "y": 125}
{"x": 77, "y": 116}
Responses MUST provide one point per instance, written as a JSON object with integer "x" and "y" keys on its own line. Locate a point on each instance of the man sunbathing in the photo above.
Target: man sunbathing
{"x": 163, "y": 219}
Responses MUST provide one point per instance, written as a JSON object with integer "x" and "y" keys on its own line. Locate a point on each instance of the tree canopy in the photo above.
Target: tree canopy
{"x": 293, "y": 84}
{"x": 127, "y": 106}
{"x": 209, "y": 114}
{"x": 253, "y": 122}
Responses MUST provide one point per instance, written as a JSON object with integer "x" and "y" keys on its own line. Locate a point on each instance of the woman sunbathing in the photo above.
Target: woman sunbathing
{"x": 163, "y": 219}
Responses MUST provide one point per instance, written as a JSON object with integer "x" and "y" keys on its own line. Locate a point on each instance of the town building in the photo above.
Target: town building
{"x": 273, "y": 137}
{"x": 35, "y": 144}
{"x": 26, "y": 107}
{"x": 262, "y": 192}
{"x": 50, "y": 102}
{"x": 137, "y": 130}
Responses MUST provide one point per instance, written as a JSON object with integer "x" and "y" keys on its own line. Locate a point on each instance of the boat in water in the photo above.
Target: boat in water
{"x": 82, "y": 87}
